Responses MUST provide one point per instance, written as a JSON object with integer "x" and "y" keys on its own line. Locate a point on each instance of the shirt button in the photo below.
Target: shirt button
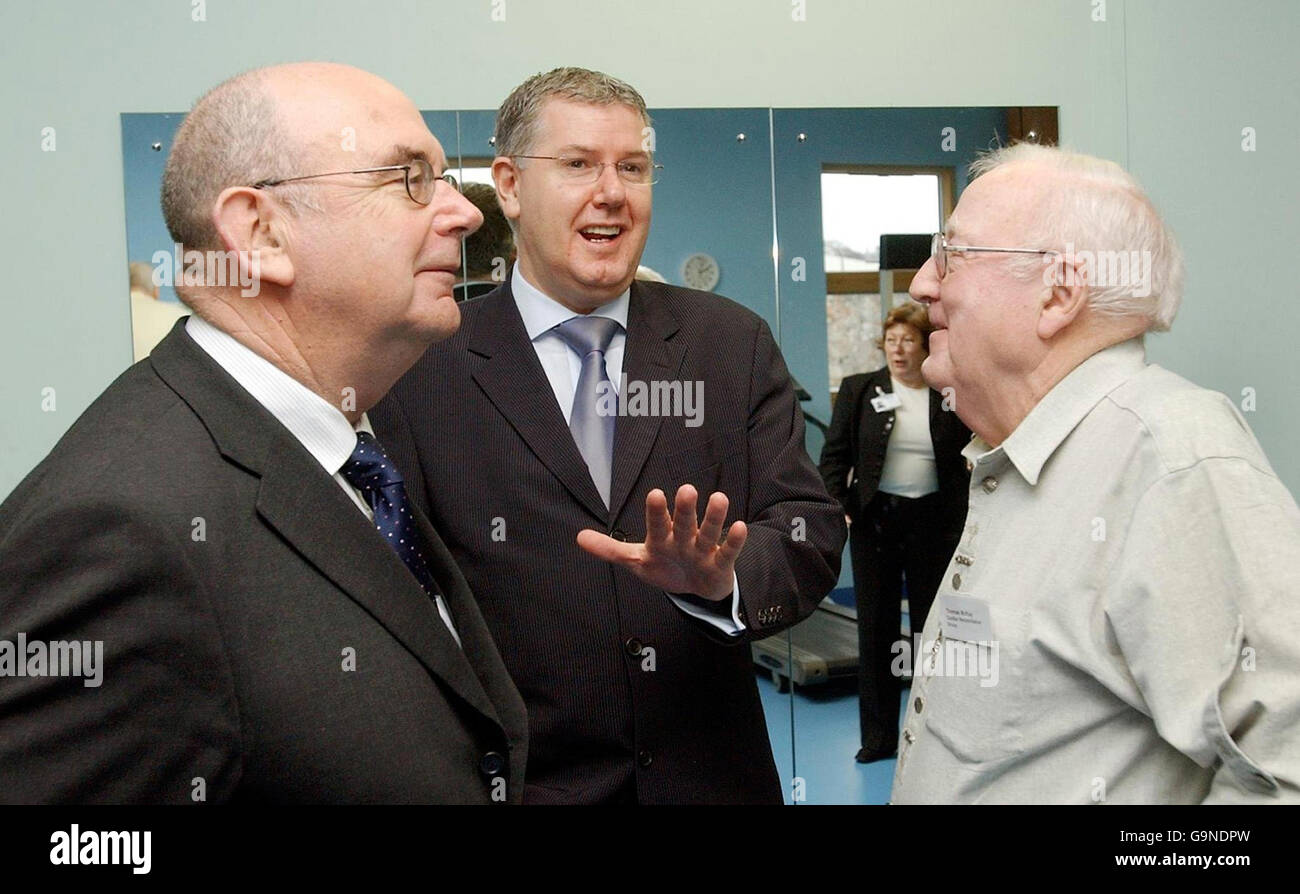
{"x": 907, "y": 735}
{"x": 956, "y": 581}
{"x": 989, "y": 484}
{"x": 918, "y": 704}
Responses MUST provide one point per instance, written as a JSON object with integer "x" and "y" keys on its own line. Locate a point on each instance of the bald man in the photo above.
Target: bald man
{"x": 215, "y": 587}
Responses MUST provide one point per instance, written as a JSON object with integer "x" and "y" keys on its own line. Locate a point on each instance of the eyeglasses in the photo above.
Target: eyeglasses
{"x": 939, "y": 249}
{"x": 576, "y": 169}
{"x": 420, "y": 182}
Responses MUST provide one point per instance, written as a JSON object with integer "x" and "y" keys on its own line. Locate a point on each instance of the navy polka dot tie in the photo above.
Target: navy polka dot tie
{"x": 370, "y": 471}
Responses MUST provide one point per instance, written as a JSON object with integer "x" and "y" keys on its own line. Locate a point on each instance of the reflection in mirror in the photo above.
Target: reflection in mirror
{"x": 841, "y": 179}
{"x": 152, "y": 259}
{"x": 713, "y": 230}
{"x": 847, "y": 182}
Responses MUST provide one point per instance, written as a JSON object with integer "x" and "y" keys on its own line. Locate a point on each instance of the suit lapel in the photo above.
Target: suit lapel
{"x": 876, "y": 426}
{"x": 328, "y": 530}
{"x": 512, "y": 378}
{"x": 649, "y": 355}
{"x": 313, "y": 514}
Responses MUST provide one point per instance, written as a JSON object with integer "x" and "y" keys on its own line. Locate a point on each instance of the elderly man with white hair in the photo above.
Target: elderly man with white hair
{"x": 1119, "y": 622}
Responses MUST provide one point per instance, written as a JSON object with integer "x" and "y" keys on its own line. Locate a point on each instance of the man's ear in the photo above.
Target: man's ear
{"x": 506, "y": 178}
{"x": 249, "y": 222}
{"x": 1066, "y": 284}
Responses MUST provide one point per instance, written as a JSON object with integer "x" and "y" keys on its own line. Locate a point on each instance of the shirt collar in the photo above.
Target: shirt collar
{"x": 318, "y": 425}
{"x": 541, "y": 313}
{"x": 1061, "y": 409}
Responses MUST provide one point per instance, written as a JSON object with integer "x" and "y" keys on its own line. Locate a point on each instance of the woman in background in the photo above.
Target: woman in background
{"x": 893, "y": 460}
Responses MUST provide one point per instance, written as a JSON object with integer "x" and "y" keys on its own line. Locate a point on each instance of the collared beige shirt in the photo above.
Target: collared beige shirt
{"x": 1140, "y": 564}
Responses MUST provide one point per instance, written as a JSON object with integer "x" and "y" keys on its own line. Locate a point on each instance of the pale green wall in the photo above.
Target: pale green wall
{"x": 1165, "y": 85}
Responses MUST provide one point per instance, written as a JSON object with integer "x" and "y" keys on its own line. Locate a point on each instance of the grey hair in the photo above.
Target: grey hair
{"x": 232, "y": 137}
{"x": 1103, "y": 210}
{"x": 516, "y": 126}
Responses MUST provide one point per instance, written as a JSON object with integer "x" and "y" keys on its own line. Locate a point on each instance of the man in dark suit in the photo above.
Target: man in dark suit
{"x": 893, "y": 459}
{"x": 554, "y": 433}
{"x": 276, "y": 622}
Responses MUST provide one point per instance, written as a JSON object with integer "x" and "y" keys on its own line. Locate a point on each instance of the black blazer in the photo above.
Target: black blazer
{"x": 626, "y": 693}
{"x": 853, "y": 456}
{"x": 230, "y": 579}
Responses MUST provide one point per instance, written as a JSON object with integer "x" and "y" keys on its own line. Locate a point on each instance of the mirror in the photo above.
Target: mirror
{"x": 782, "y": 211}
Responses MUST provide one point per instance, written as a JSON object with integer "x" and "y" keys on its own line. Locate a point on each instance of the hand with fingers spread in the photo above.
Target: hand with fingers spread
{"x": 678, "y": 555}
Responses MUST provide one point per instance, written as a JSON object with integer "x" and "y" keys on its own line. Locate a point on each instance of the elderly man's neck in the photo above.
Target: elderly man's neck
{"x": 1010, "y": 401}
{"x": 345, "y": 374}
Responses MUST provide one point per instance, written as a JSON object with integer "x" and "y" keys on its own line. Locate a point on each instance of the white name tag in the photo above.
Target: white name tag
{"x": 886, "y": 401}
{"x": 965, "y": 618}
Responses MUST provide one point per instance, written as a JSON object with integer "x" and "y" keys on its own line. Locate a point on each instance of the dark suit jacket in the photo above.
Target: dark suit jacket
{"x": 858, "y": 437}
{"x": 226, "y": 574}
{"x": 627, "y": 695}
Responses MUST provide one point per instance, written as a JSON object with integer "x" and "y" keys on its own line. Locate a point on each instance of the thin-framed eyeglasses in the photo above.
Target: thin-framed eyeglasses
{"x": 576, "y": 169}
{"x": 417, "y": 174}
{"x": 939, "y": 249}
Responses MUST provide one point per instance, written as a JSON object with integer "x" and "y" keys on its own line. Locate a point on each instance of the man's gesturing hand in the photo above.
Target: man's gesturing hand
{"x": 678, "y": 555}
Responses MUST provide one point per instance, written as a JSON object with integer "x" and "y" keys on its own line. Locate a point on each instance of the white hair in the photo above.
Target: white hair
{"x": 1099, "y": 207}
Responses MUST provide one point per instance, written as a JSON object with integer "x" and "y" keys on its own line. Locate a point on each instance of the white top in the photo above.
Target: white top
{"x": 318, "y": 425}
{"x": 910, "y": 469}
{"x": 1139, "y": 562}
{"x": 562, "y": 365}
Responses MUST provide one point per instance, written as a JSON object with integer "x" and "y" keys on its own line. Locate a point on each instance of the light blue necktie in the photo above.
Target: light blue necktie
{"x": 594, "y": 407}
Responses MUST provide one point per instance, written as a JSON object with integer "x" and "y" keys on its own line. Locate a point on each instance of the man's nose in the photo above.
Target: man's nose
{"x": 610, "y": 188}
{"x": 456, "y": 214}
{"x": 925, "y": 285}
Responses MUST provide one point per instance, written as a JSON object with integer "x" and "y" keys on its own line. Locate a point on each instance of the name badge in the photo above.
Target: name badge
{"x": 884, "y": 401}
{"x": 965, "y": 618}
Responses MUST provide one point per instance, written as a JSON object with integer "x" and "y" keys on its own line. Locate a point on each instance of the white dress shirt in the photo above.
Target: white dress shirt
{"x": 318, "y": 425}
{"x": 562, "y": 365}
{"x": 1139, "y": 564}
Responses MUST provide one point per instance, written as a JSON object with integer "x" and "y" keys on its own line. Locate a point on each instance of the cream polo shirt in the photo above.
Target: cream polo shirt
{"x": 1140, "y": 563}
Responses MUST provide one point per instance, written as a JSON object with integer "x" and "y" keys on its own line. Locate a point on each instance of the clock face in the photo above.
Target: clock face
{"x": 700, "y": 271}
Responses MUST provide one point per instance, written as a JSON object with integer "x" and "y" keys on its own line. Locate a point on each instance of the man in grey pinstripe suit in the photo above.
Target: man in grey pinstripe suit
{"x": 623, "y": 620}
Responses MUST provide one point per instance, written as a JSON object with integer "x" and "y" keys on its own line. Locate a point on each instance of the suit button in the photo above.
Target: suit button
{"x": 989, "y": 484}
{"x": 492, "y": 764}
{"x": 618, "y": 534}
{"x": 633, "y": 646}
{"x": 644, "y": 758}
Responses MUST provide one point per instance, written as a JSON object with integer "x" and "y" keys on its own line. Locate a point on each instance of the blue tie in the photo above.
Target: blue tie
{"x": 592, "y": 421}
{"x": 370, "y": 471}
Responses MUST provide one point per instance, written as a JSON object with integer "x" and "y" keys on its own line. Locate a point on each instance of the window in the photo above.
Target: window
{"x": 859, "y": 203}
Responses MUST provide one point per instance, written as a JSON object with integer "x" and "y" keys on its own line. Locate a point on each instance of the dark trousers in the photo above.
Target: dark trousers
{"x": 891, "y": 539}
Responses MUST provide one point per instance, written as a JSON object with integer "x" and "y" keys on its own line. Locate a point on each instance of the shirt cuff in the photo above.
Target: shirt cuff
{"x": 713, "y": 613}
